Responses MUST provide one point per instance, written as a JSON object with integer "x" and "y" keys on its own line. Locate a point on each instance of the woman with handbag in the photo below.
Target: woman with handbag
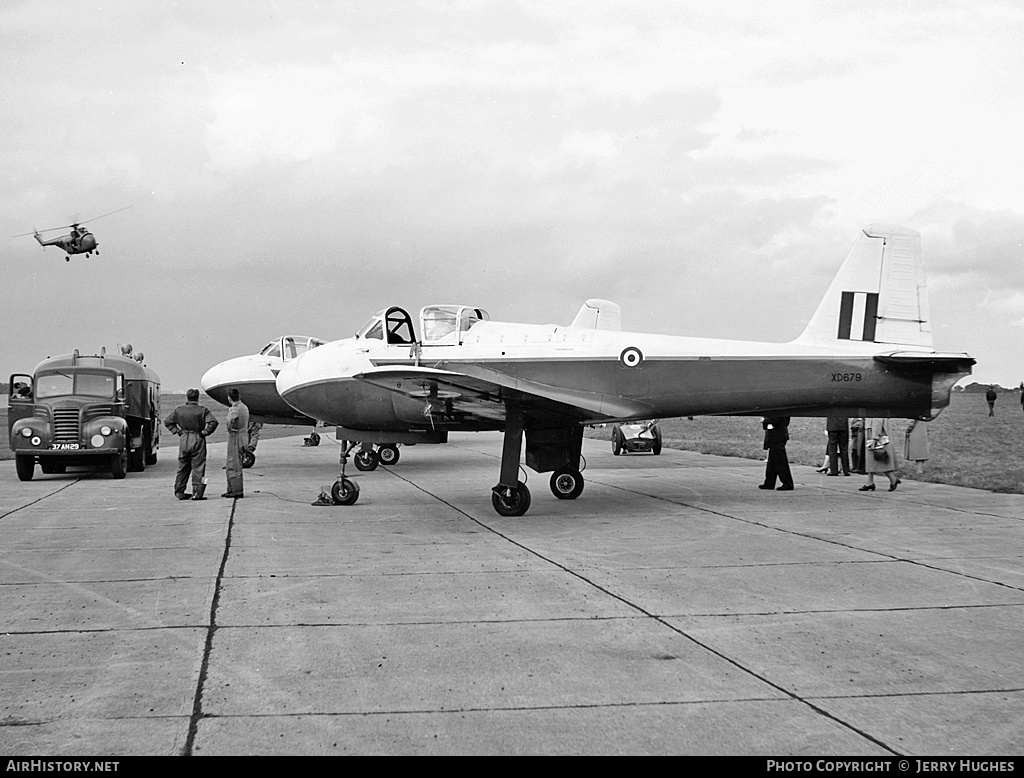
{"x": 878, "y": 455}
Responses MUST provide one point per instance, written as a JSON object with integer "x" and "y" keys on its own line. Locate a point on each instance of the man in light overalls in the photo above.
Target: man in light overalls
{"x": 238, "y": 441}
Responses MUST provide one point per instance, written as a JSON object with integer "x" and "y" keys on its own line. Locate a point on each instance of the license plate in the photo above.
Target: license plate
{"x": 64, "y": 446}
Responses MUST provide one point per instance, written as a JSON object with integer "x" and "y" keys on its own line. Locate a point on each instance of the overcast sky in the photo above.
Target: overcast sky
{"x": 292, "y": 167}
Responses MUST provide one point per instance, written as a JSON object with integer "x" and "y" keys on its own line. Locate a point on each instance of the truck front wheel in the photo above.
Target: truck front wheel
{"x": 119, "y": 463}
{"x": 25, "y": 466}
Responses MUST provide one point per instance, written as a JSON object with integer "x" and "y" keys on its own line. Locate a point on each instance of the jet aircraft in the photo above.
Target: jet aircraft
{"x": 867, "y": 351}
{"x": 255, "y": 375}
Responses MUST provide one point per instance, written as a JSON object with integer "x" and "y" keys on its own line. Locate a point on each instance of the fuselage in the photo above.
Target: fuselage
{"x": 611, "y": 376}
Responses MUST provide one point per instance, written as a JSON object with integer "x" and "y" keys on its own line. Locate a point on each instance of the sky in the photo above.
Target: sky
{"x": 292, "y": 167}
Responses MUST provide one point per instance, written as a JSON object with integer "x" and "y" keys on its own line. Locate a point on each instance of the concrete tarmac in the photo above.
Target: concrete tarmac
{"x": 674, "y": 608}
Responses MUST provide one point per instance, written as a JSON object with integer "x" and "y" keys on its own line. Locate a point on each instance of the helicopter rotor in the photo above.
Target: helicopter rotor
{"x": 72, "y": 226}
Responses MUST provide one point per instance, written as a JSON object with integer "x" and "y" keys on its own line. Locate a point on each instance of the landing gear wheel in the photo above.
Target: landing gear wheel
{"x": 345, "y": 492}
{"x": 366, "y": 461}
{"x": 119, "y": 463}
{"x": 656, "y": 448}
{"x": 616, "y": 443}
{"x": 566, "y": 484}
{"x": 25, "y": 466}
{"x": 511, "y": 502}
{"x": 388, "y": 455}
{"x": 248, "y": 458}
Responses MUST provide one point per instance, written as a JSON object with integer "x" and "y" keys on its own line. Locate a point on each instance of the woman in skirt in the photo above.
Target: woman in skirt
{"x": 875, "y": 461}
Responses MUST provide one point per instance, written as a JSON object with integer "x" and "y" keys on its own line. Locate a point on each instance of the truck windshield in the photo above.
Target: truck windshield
{"x": 61, "y": 384}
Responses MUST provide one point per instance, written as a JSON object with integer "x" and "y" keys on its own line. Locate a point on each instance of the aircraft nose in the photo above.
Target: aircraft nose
{"x": 214, "y": 383}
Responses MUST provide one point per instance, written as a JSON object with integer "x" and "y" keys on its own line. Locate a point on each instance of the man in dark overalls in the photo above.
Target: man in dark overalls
{"x": 776, "y": 434}
{"x": 193, "y": 423}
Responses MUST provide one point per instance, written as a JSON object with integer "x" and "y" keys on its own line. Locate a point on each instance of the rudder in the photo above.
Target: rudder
{"x": 879, "y": 294}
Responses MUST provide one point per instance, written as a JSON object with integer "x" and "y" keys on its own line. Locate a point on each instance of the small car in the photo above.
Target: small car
{"x": 637, "y": 436}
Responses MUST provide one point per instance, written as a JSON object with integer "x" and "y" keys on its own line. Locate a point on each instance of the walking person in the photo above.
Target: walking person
{"x": 915, "y": 444}
{"x": 880, "y": 457}
{"x": 776, "y": 434}
{"x": 193, "y": 423}
{"x": 238, "y": 441}
{"x": 991, "y": 396}
{"x": 838, "y": 444}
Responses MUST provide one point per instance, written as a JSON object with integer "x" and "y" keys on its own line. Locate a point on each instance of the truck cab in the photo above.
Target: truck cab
{"x": 85, "y": 410}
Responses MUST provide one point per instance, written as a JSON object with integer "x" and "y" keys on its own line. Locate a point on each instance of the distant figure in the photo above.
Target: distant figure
{"x": 915, "y": 444}
{"x": 991, "y": 396}
{"x": 194, "y": 423}
{"x": 880, "y": 457}
{"x": 838, "y": 444}
{"x": 1022, "y": 395}
{"x": 776, "y": 434}
{"x": 238, "y": 441}
{"x": 857, "y": 450}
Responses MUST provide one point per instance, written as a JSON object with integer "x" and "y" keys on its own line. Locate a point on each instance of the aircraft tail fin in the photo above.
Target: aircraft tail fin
{"x": 879, "y": 294}
{"x": 599, "y": 314}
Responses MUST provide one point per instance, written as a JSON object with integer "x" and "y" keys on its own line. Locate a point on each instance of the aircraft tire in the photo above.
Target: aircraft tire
{"x": 616, "y": 442}
{"x": 388, "y": 455}
{"x": 25, "y": 466}
{"x": 566, "y": 483}
{"x": 656, "y": 448}
{"x": 514, "y": 503}
{"x": 367, "y": 461}
{"x": 248, "y": 458}
{"x": 345, "y": 492}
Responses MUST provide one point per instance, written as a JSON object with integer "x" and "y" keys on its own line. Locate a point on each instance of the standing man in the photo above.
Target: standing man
{"x": 991, "y": 396}
{"x": 238, "y": 440}
{"x": 776, "y": 433}
{"x": 194, "y": 423}
{"x": 838, "y": 444}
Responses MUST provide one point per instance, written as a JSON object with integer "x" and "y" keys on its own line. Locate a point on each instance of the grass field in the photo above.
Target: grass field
{"x": 968, "y": 447}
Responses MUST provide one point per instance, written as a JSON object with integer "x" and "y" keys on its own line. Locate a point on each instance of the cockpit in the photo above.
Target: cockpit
{"x": 289, "y": 347}
{"x": 439, "y": 324}
{"x": 445, "y": 324}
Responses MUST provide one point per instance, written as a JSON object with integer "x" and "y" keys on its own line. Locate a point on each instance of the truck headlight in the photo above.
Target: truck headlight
{"x": 36, "y": 441}
{"x": 97, "y": 441}
{"x": 105, "y": 430}
{"x": 26, "y": 432}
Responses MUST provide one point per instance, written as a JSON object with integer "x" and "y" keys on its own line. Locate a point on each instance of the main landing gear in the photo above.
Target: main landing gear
{"x": 368, "y": 458}
{"x": 558, "y": 450}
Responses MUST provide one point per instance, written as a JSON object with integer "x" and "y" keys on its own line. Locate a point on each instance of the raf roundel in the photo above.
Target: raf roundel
{"x": 631, "y": 357}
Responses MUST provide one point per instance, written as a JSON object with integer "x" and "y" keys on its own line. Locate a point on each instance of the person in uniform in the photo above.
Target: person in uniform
{"x": 776, "y": 434}
{"x": 193, "y": 423}
{"x": 238, "y": 441}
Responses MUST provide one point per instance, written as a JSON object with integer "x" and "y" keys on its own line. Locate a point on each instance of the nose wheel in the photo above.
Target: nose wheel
{"x": 345, "y": 491}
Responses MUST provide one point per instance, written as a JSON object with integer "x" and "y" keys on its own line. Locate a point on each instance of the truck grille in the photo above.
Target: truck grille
{"x": 65, "y": 425}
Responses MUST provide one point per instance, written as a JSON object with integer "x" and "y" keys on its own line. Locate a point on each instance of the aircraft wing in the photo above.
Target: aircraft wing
{"x": 482, "y": 392}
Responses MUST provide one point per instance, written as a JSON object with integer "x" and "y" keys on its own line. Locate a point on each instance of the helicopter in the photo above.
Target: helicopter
{"x": 80, "y": 241}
